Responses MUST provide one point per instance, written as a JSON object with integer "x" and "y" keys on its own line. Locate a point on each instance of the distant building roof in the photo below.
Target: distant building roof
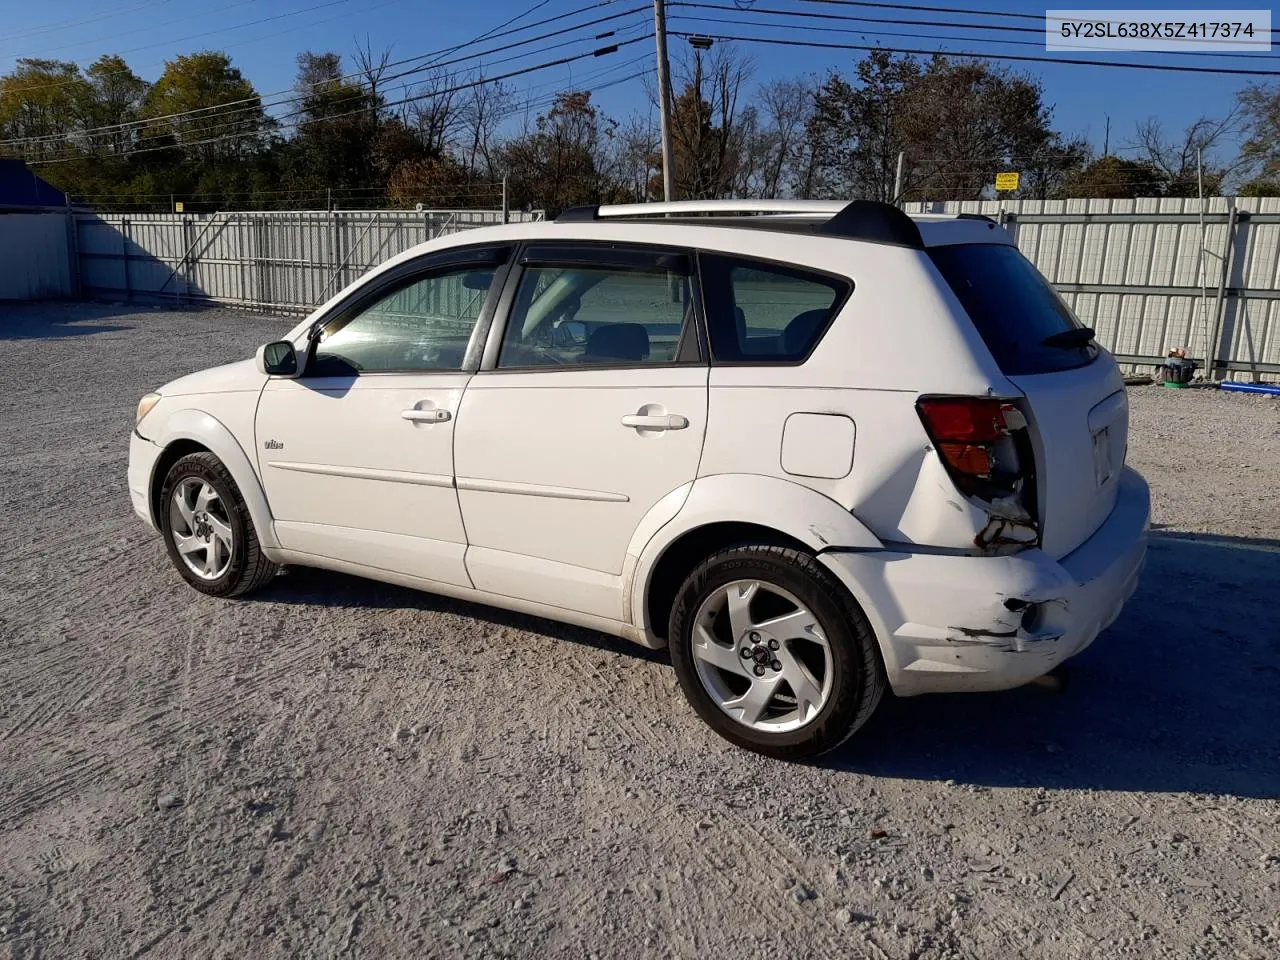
{"x": 20, "y": 187}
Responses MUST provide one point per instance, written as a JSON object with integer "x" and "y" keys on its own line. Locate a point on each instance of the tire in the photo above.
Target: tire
{"x": 815, "y": 695}
{"x": 210, "y": 535}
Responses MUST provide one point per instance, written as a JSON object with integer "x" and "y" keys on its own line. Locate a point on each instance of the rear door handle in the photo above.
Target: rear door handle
{"x": 430, "y": 415}
{"x": 669, "y": 421}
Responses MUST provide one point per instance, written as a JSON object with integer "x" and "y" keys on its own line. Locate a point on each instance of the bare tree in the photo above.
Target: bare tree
{"x": 705, "y": 121}
{"x": 485, "y": 107}
{"x": 637, "y": 157}
{"x": 1176, "y": 158}
{"x": 372, "y": 67}
{"x": 437, "y": 114}
{"x": 785, "y": 106}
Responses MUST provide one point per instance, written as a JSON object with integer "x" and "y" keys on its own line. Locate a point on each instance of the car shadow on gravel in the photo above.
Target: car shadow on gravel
{"x": 310, "y": 586}
{"x": 1181, "y": 694}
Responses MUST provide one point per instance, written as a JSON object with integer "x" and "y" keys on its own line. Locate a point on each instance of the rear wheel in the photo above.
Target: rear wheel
{"x": 772, "y": 652}
{"x": 208, "y": 531}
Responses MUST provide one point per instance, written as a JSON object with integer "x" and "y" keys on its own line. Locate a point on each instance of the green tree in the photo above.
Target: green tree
{"x": 44, "y": 103}
{"x": 337, "y": 125}
{"x": 965, "y": 120}
{"x": 204, "y": 106}
{"x": 1114, "y": 178}
{"x": 856, "y": 130}
{"x": 115, "y": 96}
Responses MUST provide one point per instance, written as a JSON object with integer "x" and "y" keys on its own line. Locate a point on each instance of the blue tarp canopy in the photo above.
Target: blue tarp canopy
{"x": 20, "y": 187}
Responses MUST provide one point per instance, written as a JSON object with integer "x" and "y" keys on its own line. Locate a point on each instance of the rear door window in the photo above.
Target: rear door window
{"x": 608, "y": 306}
{"x": 765, "y": 313}
{"x": 1013, "y": 306}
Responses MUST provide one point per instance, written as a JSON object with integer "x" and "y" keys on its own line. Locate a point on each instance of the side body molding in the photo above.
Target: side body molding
{"x": 210, "y": 432}
{"x": 790, "y": 508}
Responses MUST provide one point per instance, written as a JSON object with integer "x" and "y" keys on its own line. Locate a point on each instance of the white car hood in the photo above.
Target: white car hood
{"x": 228, "y": 378}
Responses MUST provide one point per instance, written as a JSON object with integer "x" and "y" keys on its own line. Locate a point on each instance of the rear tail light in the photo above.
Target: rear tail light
{"x": 983, "y": 444}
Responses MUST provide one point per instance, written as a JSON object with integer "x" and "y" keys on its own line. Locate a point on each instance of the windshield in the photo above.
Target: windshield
{"x": 1013, "y": 307}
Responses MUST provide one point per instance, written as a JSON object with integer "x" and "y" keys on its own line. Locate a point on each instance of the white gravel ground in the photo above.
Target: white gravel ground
{"x": 340, "y": 768}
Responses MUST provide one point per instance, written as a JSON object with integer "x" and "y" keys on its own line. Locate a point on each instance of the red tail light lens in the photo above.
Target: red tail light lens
{"x": 972, "y": 436}
{"x": 965, "y": 419}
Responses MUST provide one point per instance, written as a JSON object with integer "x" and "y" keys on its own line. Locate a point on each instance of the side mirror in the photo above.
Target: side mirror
{"x": 277, "y": 359}
{"x": 570, "y": 333}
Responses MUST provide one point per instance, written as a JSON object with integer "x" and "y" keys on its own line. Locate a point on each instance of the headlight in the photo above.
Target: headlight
{"x": 145, "y": 405}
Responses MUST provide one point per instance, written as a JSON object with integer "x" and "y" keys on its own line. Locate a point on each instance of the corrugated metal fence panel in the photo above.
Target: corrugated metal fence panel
{"x": 1252, "y": 323}
{"x": 1146, "y": 275}
{"x": 36, "y": 261}
{"x": 282, "y": 262}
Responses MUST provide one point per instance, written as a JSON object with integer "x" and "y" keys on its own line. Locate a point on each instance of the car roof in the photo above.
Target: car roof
{"x": 836, "y": 221}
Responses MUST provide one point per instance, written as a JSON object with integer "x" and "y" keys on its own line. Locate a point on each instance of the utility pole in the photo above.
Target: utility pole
{"x": 897, "y": 179}
{"x": 1106, "y": 137}
{"x": 664, "y": 99}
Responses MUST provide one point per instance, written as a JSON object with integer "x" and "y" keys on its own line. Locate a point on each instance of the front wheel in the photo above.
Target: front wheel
{"x": 208, "y": 531}
{"x": 772, "y": 652}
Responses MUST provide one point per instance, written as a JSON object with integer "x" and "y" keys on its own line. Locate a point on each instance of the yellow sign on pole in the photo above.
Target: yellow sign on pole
{"x": 177, "y": 207}
{"x": 1007, "y": 181}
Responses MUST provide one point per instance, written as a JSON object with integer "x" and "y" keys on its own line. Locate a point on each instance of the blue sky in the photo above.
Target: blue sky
{"x": 263, "y": 36}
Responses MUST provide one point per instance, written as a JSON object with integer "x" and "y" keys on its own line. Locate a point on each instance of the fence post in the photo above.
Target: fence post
{"x": 73, "y": 250}
{"x": 260, "y": 241}
{"x": 1228, "y": 259}
{"x": 188, "y": 259}
{"x": 124, "y": 252}
{"x": 333, "y": 250}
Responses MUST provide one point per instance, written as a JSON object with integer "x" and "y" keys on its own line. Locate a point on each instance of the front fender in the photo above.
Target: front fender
{"x": 211, "y": 433}
{"x": 797, "y": 511}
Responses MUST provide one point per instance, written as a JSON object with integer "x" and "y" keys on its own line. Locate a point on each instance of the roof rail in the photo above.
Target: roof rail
{"x": 857, "y": 220}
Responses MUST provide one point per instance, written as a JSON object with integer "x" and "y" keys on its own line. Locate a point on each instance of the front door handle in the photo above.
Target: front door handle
{"x": 430, "y": 415}
{"x": 666, "y": 421}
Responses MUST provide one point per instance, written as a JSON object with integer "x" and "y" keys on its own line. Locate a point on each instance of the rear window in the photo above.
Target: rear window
{"x": 1012, "y": 305}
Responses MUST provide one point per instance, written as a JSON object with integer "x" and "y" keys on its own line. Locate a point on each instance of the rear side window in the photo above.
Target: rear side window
{"x": 1013, "y": 307}
{"x": 759, "y": 312}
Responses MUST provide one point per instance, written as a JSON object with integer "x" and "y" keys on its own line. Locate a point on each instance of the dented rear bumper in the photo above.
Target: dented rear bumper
{"x": 968, "y": 623}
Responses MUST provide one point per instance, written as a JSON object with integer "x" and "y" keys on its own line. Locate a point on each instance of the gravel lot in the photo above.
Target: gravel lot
{"x": 335, "y": 767}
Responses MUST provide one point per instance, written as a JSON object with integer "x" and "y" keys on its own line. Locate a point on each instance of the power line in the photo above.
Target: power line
{"x": 130, "y": 33}
{"x": 224, "y": 48}
{"x": 923, "y": 9}
{"x": 1173, "y": 68}
{"x": 444, "y": 51}
{"x": 948, "y": 38}
{"x": 71, "y": 24}
{"x": 221, "y": 123}
{"x": 895, "y": 21}
{"x": 602, "y": 51}
{"x": 848, "y": 17}
{"x": 256, "y": 102}
{"x": 1040, "y": 17}
{"x": 200, "y": 36}
{"x": 429, "y": 94}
